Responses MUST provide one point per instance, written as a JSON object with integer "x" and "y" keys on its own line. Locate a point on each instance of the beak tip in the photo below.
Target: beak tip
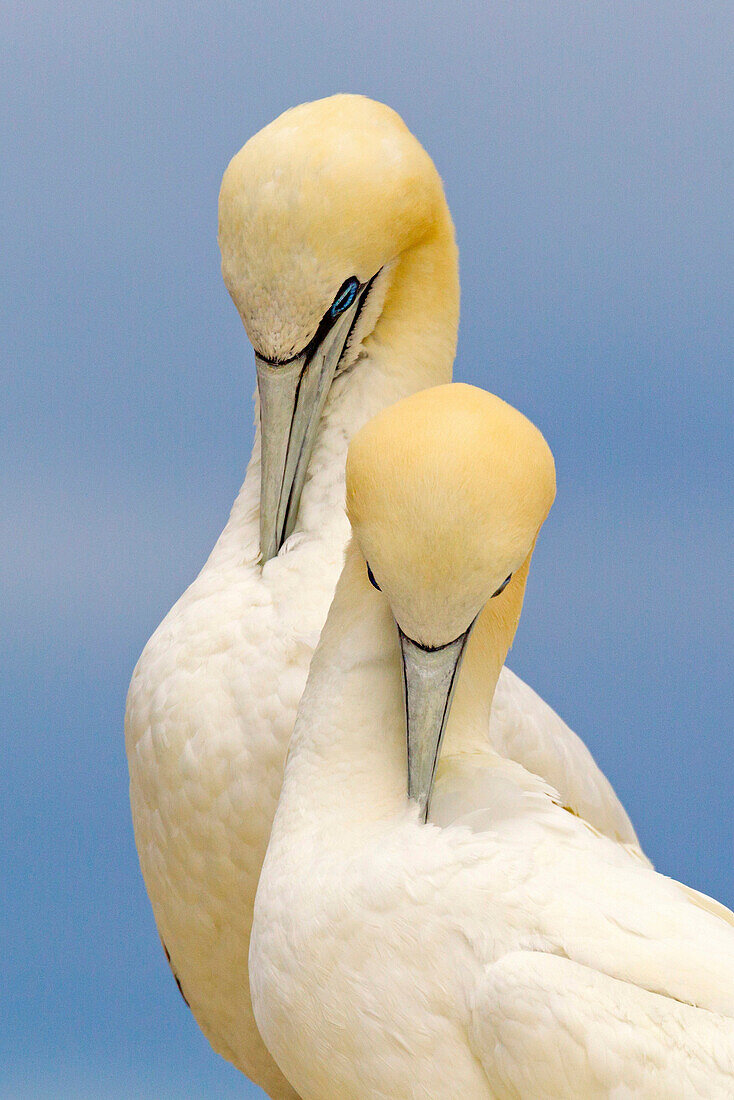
{"x": 266, "y": 553}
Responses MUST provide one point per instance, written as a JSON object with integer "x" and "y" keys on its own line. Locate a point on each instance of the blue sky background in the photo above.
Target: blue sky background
{"x": 586, "y": 152}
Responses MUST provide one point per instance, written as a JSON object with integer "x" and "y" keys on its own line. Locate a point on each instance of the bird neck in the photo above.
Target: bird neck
{"x": 485, "y": 654}
{"x": 411, "y": 347}
{"x": 347, "y": 763}
{"x": 415, "y": 335}
{"x": 347, "y": 757}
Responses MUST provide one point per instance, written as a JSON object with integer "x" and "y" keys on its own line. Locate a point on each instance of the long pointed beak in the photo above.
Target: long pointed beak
{"x": 292, "y": 398}
{"x": 429, "y": 677}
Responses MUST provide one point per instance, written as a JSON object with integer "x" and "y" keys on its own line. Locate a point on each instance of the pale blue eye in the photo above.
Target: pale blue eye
{"x": 345, "y": 297}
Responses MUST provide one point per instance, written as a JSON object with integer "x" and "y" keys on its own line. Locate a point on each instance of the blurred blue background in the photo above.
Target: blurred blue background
{"x": 586, "y": 152}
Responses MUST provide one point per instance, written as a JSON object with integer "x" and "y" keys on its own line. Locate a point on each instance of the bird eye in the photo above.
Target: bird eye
{"x": 503, "y": 586}
{"x": 345, "y": 297}
{"x": 371, "y": 577}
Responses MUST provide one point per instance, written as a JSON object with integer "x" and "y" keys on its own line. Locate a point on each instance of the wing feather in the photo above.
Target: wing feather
{"x": 525, "y": 729}
{"x": 547, "y": 1027}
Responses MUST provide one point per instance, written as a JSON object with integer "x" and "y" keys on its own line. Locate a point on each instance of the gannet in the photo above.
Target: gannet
{"x": 461, "y": 935}
{"x": 338, "y": 251}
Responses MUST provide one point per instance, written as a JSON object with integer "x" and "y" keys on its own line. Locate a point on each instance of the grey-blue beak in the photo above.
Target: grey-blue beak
{"x": 429, "y": 678}
{"x": 292, "y": 398}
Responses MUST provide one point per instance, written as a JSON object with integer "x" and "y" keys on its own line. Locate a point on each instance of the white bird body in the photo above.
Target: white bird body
{"x": 209, "y": 714}
{"x": 507, "y": 949}
{"x": 213, "y": 698}
{"x": 210, "y": 711}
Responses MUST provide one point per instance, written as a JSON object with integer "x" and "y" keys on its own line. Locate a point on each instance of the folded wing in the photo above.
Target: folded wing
{"x": 547, "y": 1027}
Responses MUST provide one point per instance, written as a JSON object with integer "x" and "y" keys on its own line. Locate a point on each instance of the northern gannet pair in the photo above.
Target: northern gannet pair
{"x": 506, "y": 949}
{"x": 338, "y": 250}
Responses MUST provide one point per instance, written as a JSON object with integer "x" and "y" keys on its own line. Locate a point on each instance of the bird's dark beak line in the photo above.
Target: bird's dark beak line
{"x": 292, "y": 398}
{"x": 429, "y": 679}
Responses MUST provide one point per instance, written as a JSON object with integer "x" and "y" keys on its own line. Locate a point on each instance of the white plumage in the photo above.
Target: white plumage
{"x": 506, "y": 949}
{"x": 330, "y": 190}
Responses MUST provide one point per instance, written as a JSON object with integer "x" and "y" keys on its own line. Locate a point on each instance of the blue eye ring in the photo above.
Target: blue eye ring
{"x": 345, "y": 297}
